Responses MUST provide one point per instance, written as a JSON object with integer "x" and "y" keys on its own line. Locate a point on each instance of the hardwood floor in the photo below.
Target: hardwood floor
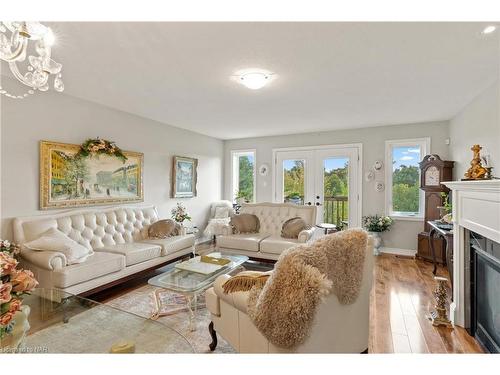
{"x": 400, "y": 303}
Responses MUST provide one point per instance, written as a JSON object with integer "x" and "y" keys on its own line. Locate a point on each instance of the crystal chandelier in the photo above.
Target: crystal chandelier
{"x": 15, "y": 38}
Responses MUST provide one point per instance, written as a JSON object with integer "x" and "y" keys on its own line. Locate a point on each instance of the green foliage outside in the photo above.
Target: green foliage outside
{"x": 245, "y": 183}
{"x": 405, "y": 189}
{"x": 294, "y": 183}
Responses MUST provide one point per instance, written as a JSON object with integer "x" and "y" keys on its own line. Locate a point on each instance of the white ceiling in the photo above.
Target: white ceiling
{"x": 330, "y": 75}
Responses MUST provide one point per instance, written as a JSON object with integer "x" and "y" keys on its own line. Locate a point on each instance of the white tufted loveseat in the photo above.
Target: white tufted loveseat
{"x": 118, "y": 237}
{"x": 268, "y": 243}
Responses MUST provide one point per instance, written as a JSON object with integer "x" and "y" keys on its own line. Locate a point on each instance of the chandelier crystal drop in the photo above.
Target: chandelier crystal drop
{"x": 19, "y": 39}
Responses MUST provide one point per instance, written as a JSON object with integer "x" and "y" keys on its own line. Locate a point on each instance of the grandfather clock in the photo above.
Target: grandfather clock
{"x": 433, "y": 171}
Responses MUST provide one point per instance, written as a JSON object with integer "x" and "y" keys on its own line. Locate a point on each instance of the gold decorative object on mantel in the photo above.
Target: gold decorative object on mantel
{"x": 439, "y": 317}
{"x": 476, "y": 171}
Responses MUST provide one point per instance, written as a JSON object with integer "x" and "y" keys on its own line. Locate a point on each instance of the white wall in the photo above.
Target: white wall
{"x": 58, "y": 117}
{"x": 404, "y": 233}
{"x": 477, "y": 123}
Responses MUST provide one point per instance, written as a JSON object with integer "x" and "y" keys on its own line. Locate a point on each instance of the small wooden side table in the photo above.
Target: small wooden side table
{"x": 327, "y": 227}
{"x": 437, "y": 229}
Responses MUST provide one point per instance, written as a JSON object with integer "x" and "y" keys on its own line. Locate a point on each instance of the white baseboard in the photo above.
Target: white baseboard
{"x": 397, "y": 251}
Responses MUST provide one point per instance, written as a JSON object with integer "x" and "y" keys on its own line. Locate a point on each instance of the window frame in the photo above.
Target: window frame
{"x": 234, "y": 181}
{"x": 425, "y": 147}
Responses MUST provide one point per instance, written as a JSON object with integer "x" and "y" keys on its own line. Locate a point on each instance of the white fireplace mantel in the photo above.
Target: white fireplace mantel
{"x": 476, "y": 206}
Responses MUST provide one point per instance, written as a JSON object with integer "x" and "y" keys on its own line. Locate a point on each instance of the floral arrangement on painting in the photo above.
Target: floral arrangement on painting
{"x": 14, "y": 285}
{"x": 98, "y": 147}
{"x": 180, "y": 214}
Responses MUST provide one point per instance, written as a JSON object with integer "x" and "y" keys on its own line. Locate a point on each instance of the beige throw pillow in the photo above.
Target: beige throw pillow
{"x": 292, "y": 227}
{"x": 163, "y": 229}
{"x": 55, "y": 240}
{"x": 245, "y": 223}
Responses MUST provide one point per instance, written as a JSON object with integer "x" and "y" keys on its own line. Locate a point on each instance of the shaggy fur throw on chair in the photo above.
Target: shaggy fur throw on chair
{"x": 284, "y": 308}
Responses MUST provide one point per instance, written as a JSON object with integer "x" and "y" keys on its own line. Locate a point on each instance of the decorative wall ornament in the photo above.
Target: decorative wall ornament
{"x": 379, "y": 186}
{"x": 70, "y": 179}
{"x": 369, "y": 176}
{"x": 264, "y": 169}
{"x": 378, "y": 165}
{"x": 15, "y": 38}
{"x": 96, "y": 147}
{"x": 184, "y": 177}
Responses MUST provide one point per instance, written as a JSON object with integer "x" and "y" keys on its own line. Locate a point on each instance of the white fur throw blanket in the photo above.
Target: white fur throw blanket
{"x": 284, "y": 308}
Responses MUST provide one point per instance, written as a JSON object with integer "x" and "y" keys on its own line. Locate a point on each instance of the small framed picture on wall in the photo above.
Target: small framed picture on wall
{"x": 184, "y": 177}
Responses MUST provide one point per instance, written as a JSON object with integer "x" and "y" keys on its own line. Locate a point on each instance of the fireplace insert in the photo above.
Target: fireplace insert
{"x": 483, "y": 296}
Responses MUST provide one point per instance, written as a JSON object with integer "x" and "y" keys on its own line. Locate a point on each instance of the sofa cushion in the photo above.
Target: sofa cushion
{"x": 55, "y": 240}
{"x": 277, "y": 244}
{"x": 245, "y": 223}
{"x": 163, "y": 229}
{"x": 135, "y": 252}
{"x": 248, "y": 241}
{"x": 97, "y": 265}
{"x": 292, "y": 227}
{"x": 172, "y": 244}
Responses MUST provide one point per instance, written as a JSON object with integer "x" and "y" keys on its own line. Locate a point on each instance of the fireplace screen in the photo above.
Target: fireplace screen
{"x": 487, "y": 293}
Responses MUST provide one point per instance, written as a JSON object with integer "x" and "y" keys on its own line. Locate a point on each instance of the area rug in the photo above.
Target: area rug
{"x": 140, "y": 302}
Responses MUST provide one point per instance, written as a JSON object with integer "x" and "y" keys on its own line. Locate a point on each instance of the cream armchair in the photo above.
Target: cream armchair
{"x": 337, "y": 328}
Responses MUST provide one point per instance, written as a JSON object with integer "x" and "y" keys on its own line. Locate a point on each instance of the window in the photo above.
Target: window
{"x": 243, "y": 175}
{"x": 404, "y": 199}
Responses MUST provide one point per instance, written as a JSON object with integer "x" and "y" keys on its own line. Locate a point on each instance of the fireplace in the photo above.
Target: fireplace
{"x": 482, "y": 297}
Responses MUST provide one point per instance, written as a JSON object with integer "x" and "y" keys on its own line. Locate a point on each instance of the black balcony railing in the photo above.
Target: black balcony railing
{"x": 336, "y": 211}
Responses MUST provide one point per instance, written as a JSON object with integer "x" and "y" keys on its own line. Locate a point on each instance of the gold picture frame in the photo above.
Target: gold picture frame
{"x": 184, "y": 177}
{"x": 67, "y": 182}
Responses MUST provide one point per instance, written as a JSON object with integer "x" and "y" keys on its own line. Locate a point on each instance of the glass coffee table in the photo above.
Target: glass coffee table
{"x": 60, "y": 322}
{"x": 189, "y": 284}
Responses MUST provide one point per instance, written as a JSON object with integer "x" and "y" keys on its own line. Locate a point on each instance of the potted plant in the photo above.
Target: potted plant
{"x": 180, "y": 214}
{"x": 376, "y": 225}
{"x": 14, "y": 285}
{"x": 446, "y": 209}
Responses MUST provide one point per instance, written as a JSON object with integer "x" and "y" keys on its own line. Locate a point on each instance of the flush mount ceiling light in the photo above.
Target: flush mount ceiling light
{"x": 19, "y": 37}
{"x": 254, "y": 79}
{"x": 489, "y": 29}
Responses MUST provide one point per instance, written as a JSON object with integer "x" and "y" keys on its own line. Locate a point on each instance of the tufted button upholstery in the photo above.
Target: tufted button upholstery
{"x": 100, "y": 228}
{"x": 273, "y": 215}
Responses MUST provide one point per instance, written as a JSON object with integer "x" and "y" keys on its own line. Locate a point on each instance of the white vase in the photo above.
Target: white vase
{"x": 377, "y": 242}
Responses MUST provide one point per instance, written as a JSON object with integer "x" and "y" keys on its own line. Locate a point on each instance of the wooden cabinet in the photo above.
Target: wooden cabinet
{"x": 424, "y": 251}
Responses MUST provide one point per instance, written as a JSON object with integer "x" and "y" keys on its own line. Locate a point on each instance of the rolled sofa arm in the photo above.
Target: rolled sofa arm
{"x": 306, "y": 235}
{"x": 236, "y": 299}
{"x": 49, "y": 260}
{"x": 226, "y": 230}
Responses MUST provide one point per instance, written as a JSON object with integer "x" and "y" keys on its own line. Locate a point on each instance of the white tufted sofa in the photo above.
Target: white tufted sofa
{"x": 268, "y": 243}
{"x": 118, "y": 237}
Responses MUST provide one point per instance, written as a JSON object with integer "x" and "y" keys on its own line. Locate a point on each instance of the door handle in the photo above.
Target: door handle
{"x": 318, "y": 204}
{"x": 309, "y": 203}
{"x": 317, "y": 196}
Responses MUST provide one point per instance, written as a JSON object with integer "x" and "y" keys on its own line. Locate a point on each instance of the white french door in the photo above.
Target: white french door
{"x": 327, "y": 177}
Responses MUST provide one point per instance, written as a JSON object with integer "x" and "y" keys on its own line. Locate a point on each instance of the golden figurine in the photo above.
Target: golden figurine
{"x": 476, "y": 171}
{"x": 439, "y": 317}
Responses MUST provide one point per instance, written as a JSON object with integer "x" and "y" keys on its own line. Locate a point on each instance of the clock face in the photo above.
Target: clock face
{"x": 432, "y": 176}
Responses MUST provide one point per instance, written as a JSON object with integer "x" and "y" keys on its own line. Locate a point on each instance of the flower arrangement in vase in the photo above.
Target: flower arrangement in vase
{"x": 376, "y": 225}
{"x": 14, "y": 285}
{"x": 180, "y": 214}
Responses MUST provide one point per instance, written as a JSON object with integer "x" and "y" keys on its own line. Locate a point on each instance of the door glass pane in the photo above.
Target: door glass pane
{"x": 293, "y": 181}
{"x": 405, "y": 179}
{"x": 336, "y": 191}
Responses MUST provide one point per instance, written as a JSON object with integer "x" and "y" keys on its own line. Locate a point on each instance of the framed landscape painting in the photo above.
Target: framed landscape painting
{"x": 70, "y": 181}
{"x": 184, "y": 177}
